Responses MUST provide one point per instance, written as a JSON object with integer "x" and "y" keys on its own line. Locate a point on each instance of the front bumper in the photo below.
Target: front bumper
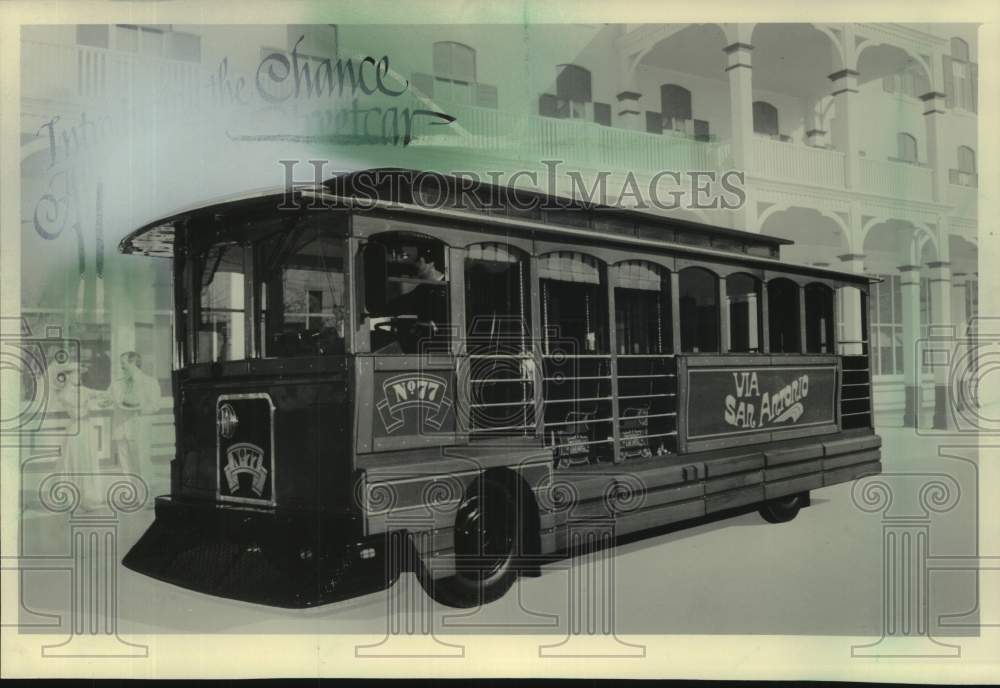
{"x": 267, "y": 556}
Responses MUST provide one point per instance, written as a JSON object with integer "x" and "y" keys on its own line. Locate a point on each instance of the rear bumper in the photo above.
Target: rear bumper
{"x": 273, "y": 557}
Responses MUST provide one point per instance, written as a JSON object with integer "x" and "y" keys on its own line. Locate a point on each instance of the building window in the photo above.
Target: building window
{"x": 675, "y": 104}
{"x": 145, "y": 40}
{"x": 184, "y": 46}
{"x": 699, "y": 302}
{"x": 965, "y": 175}
{"x": 454, "y": 72}
{"x": 960, "y": 77}
{"x": 906, "y": 146}
{"x": 744, "y": 309}
{"x": 887, "y": 326}
{"x": 765, "y": 119}
{"x": 783, "y": 316}
{"x": 573, "y": 92}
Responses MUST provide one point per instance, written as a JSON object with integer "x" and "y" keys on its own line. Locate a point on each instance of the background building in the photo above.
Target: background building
{"x": 858, "y": 142}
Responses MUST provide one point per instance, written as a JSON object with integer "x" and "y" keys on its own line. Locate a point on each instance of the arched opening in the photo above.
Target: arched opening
{"x": 642, "y": 308}
{"x": 965, "y": 174}
{"x": 699, "y": 304}
{"x": 819, "y": 319}
{"x": 960, "y": 77}
{"x": 454, "y": 71}
{"x": 966, "y": 160}
{"x": 792, "y": 91}
{"x": 573, "y": 92}
{"x": 498, "y": 339}
{"x": 577, "y": 377}
{"x": 906, "y": 148}
{"x": 574, "y": 312}
{"x": 675, "y": 105}
{"x": 696, "y": 51}
{"x": 744, "y": 309}
{"x": 818, "y": 239}
{"x": 765, "y": 119}
{"x": 783, "y": 316}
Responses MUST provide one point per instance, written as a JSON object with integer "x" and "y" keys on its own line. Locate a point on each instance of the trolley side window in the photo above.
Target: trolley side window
{"x": 852, "y": 336}
{"x": 819, "y": 319}
{"x": 411, "y": 313}
{"x": 783, "y": 316}
{"x": 744, "y": 308}
{"x": 573, "y": 307}
{"x": 643, "y": 324}
{"x": 699, "y": 303}
{"x": 576, "y": 370}
{"x": 497, "y": 347}
{"x": 220, "y": 330}
{"x": 497, "y": 295}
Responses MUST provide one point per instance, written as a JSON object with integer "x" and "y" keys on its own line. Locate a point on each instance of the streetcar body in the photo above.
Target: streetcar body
{"x": 375, "y": 377}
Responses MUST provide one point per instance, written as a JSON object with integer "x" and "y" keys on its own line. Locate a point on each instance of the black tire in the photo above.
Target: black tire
{"x": 783, "y": 509}
{"x": 488, "y": 538}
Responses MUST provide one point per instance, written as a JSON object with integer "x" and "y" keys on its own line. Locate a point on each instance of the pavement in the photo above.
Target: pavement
{"x": 824, "y": 573}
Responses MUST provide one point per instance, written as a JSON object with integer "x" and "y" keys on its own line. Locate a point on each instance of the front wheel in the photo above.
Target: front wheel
{"x": 488, "y": 533}
{"x": 783, "y": 509}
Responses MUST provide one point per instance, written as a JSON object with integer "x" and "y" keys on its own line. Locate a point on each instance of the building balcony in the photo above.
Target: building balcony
{"x": 82, "y": 74}
{"x": 577, "y": 142}
{"x": 793, "y": 162}
{"x": 896, "y": 179}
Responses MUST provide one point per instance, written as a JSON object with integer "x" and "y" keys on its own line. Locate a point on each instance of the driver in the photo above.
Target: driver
{"x": 428, "y": 300}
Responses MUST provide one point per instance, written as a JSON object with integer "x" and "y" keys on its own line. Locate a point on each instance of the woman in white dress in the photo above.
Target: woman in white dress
{"x": 78, "y": 457}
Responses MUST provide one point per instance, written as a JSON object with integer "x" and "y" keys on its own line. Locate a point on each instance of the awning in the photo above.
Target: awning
{"x": 569, "y": 266}
{"x": 492, "y": 252}
{"x": 637, "y": 274}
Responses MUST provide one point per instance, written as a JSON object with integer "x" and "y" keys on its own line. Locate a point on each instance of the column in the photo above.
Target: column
{"x": 941, "y": 329}
{"x": 959, "y": 285}
{"x": 845, "y": 90}
{"x": 94, "y": 557}
{"x": 739, "y": 66}
{"x": 629, "y": 111}
{"x": 934, "y": 120}
{"x": 906, "y": 504}
{"x": 909, "y": 278}
{"x": 591, "y": 590}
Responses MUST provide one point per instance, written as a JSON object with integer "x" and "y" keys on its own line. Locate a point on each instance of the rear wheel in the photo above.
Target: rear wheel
{"x": 488, "y": 537}
{"x": 783, "y": 509}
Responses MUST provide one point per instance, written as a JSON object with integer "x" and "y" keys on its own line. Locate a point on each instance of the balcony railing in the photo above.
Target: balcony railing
{"x": 896, "y": 179}
{"x": 578, "y": 142}
{"x": 86, "y": 74}
{"x": 792, "y": 162}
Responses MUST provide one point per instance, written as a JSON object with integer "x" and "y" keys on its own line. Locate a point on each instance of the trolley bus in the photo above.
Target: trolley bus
{"x": 395, "y": 371}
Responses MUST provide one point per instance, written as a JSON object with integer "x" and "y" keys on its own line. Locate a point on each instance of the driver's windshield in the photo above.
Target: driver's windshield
{"x": 303, "y": 298}
{"x": 295, "y": 304}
